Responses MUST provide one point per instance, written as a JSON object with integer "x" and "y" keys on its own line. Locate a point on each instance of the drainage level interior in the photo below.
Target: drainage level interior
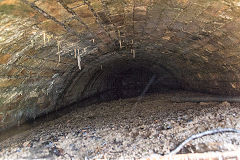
{"x": 115, "y": 79}
{"x": 122, "y": 78}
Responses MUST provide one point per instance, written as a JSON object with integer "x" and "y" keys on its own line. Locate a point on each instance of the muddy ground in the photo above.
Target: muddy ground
{"x": 128, "y": 129}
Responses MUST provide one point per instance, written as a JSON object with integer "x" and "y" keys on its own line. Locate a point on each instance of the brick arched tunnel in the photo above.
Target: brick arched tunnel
{"x": 191, "y": 45}
{"x": 54, "y": 53}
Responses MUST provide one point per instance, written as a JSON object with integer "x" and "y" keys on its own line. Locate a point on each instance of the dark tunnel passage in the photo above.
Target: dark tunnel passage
{"x": 140, "y": 74}
{"x": 62, "y": 52}
{"x": 121, "y": 77}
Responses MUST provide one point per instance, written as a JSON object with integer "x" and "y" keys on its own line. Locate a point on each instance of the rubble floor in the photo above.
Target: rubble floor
{"x": 128, "y": 129}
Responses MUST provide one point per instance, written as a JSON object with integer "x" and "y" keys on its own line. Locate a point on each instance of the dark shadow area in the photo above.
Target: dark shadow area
{"x": 123, "y": 78}
{"x": 134, "y": 82}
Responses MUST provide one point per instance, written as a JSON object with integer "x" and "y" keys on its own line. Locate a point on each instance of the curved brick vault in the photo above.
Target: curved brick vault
{"x": 188, "y": 44}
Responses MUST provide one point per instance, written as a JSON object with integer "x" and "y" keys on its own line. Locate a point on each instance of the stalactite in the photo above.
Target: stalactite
{"x": 132, "y": 50}
{"x": 48, "y": 37}
{"x": 120, "y": 43}
{"x": 79, "y": 59}
{"x": 44, "y": 38}
{"x": 32, "y": 42}
{"x": 101, "y": 67}
{"x": 59, "y": 45}
{"x": 75, "y": 53}
{"x": 79, "y": 62}
{"x": 119, "y": 35}
{"x": 59, "y": 56}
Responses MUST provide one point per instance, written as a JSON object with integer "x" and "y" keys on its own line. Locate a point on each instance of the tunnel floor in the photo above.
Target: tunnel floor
{"x": 128, "y": 128}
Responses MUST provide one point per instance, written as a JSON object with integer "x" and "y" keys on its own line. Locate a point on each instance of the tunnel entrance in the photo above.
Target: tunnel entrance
{"x": 121, "y": 76}
{"x": 106, "y": 72}
{"x": 133, "y": 82}
{"x": 59, "y": 52}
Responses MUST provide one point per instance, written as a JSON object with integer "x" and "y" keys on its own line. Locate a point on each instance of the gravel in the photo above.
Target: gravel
{"x": 126, "y": 129}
